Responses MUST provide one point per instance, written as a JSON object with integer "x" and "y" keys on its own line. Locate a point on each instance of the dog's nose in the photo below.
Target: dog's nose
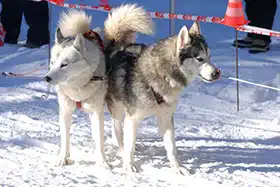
{"x": 48, "y": 79}
{"x": 215, "y": 75}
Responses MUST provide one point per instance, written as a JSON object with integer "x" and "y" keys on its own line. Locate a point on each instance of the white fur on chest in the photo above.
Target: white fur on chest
{"x": 85, "y": 92}
{"x": 91, "y": 96}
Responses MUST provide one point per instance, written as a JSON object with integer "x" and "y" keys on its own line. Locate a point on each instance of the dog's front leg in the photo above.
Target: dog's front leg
{"x": 130, "y": 127}
{"x": 65, "y": 121}
{"x": 166, "y": 128}
{"x": 97, "y": 122}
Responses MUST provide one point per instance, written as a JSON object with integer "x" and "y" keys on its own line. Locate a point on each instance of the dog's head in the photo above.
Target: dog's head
{"x": 73, "y": 61}
{"x": 194, "y": 55}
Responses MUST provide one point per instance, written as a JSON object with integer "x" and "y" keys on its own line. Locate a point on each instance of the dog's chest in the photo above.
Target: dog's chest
{"x": 83, "y": 93}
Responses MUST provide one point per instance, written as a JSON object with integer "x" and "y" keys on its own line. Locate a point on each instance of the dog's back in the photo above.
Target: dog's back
{"x": 119, "y": 55}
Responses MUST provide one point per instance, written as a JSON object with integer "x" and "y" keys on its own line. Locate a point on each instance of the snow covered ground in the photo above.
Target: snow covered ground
{"x": 220, "y": 146}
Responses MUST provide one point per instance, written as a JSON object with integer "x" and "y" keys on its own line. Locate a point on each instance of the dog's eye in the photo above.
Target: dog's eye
{"x": 200, "y": 59}
{"x": 63, "y": 65}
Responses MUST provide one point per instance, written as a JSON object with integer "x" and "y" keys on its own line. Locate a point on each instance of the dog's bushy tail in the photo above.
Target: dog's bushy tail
{"x": 123, "y": 22}
{"x": 73, "y": 22}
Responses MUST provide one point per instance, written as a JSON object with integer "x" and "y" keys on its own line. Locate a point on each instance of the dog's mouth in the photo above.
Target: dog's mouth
{"x": 215, "y": 76}
{"x": 206, "y": 80}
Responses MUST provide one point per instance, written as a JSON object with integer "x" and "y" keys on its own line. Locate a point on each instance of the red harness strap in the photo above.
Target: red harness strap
{"x": 79, "y": 104}
{"x": 158, "y": 97}
{"x": 92, "y": 35}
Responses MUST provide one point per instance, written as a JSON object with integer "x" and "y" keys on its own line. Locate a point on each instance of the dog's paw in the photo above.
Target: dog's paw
{"x": 131, "y": 168}
{"x": 180, "y": 169}
{"x": 65, "y": 161}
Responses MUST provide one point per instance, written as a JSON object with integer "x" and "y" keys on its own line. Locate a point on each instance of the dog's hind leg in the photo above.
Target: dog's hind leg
{"x": 130, "y": 127}
{"x": 97, "y": 122}
{"x": 117, "y": 113}
{"x": 165, "y": 123}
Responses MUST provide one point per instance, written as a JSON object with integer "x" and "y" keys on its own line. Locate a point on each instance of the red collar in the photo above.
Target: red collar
{"x": 92, "y": 35}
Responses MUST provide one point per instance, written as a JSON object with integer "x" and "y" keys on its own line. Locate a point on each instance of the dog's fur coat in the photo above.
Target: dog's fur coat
{"x": 148, "y": 80}
{"x": 75, "y": 60}
{"x": 142, "y": 80}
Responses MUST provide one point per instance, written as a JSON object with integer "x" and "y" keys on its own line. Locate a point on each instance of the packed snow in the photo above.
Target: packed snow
{"x": 220, "y": 146}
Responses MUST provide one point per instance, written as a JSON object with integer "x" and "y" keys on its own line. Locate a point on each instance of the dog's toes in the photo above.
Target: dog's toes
{"x": 65, "y": 161}
{"x": 131, "y": 168}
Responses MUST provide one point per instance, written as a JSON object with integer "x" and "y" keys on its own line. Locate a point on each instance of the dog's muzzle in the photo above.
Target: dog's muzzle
{"x": 213, "y": 77}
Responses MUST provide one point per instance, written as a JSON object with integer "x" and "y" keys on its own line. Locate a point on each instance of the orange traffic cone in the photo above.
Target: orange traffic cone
{"x": 234, "y": 15}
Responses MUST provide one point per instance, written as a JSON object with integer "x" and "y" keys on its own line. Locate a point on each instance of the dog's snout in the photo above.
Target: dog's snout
{"x": 216, "y": 74}
{"x": 48, "y": 79}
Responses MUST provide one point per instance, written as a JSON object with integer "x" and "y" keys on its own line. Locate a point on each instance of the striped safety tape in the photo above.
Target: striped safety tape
{"x": 160, "y": 15}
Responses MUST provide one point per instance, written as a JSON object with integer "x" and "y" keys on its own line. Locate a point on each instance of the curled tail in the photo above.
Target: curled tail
{"x": 73, "y": 22}
{"x": 123, "y": 22}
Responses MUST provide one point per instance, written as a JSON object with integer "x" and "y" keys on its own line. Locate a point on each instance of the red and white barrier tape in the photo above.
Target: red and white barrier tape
{"x": 257, "y": 30}
{"x": 160, "y": 15}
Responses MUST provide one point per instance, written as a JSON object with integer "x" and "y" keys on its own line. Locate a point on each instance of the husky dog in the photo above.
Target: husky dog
{"x": 78, "y": 70}
{"x": 148, "y": 80}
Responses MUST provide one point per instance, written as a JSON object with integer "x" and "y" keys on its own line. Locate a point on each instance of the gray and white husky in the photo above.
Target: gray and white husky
{"x": 148, "y": 80}
{"x": 78, "y": 70}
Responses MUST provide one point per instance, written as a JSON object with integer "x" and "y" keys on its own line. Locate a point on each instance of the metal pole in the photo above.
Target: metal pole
{"x": 50, "y": 33}
{"x": 45, "y": 96}
{"x": 236, "y": 68}
{"x": 172, "y": 21}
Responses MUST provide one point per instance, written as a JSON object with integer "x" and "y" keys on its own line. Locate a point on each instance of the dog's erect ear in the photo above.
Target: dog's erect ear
{"x": 183, "y": 38}
{"x": 195, "y": 29}
{"x": 79, "y": 42}
{"x": 58, "y": 36}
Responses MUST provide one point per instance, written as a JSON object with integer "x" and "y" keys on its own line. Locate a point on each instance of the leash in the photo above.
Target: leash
{"x": 24, "y": 75}
{"x": 10, "y": 74}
